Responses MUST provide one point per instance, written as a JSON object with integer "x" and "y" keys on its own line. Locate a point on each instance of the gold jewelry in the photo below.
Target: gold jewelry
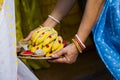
{"x": 77, "y": 45}
{"x": 77, "y": 38}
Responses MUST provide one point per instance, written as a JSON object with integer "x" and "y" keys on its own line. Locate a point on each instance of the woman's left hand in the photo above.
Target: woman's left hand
{"x": 66, "y": 55}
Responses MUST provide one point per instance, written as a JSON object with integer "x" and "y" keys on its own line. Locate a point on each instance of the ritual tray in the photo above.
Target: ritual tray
{"x": 24, "y": 57}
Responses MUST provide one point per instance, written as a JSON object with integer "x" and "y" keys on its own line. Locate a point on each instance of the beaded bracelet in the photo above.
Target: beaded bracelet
{"x": 53, "y": 18}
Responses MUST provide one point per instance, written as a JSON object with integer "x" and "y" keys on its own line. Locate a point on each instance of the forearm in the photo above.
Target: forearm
{"x": 61, "y": 9}
{"x": 91, "y": 14}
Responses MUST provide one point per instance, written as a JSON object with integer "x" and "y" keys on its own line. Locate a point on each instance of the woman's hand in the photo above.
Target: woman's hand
{"x": 66, "y": 55}
{"x": 30, "y": 34}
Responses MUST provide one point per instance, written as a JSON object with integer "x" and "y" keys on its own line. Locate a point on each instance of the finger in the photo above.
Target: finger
{"x": 30, "y": 34}
{"x": 60, "y": 60}
{"x": 28, "y": 37}
{"x": 59, "y": 53}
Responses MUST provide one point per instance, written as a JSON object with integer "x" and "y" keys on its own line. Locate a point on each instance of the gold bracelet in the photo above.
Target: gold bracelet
{"x": 77, "y": 45}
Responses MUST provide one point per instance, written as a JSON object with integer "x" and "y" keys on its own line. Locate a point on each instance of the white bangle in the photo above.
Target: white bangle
{"x": 80, "y": 41}
{"x": 53, "y": 18}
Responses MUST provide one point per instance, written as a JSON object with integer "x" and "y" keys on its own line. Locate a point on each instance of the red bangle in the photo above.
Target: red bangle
{"x": 79, "y": 42}
{"x": 77, "y": 45}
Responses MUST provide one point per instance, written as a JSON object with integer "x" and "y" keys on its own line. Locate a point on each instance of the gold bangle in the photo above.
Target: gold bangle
{"x": 77, "y": 45}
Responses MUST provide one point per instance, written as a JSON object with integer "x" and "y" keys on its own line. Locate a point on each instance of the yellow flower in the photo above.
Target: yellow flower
{"x": 1, "y": 1}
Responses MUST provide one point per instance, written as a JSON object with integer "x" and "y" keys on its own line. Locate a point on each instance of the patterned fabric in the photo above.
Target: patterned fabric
{"x": 10, "y": 67}
{"x": 8, "y": 60}
{"x": 107, "y": 36}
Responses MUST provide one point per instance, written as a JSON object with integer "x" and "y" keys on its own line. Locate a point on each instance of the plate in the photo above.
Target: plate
{"x": 22, "y": 46}
{"x": 23, "y": 57}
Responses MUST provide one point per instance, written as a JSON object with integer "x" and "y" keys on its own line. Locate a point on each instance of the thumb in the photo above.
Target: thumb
{"x": 29, "y": 36}
{"x": 59, "y": 53}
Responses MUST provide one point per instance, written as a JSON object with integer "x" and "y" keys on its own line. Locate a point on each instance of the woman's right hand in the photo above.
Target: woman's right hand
{"x": 30, "y": 34}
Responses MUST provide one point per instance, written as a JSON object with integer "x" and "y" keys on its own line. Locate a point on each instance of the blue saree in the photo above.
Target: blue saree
{"x": 106, "y": 34}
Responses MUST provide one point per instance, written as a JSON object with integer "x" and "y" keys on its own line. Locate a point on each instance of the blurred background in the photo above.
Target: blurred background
{"x": 30, "y": 14}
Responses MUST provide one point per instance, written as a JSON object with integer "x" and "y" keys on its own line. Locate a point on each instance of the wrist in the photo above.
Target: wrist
{"x": 78, "y": 43}
{"x": 82, "y": 37}
{"x": 75, "y": 48}
{"x": 50, "y": 23}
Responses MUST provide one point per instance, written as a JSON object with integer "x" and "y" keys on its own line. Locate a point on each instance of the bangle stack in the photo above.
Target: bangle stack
{"x": 78, "y": 43}
{"x": 54, "y": 19}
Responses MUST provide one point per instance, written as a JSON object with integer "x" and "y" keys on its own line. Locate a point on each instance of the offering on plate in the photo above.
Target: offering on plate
{"x": 44, "y": 42}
